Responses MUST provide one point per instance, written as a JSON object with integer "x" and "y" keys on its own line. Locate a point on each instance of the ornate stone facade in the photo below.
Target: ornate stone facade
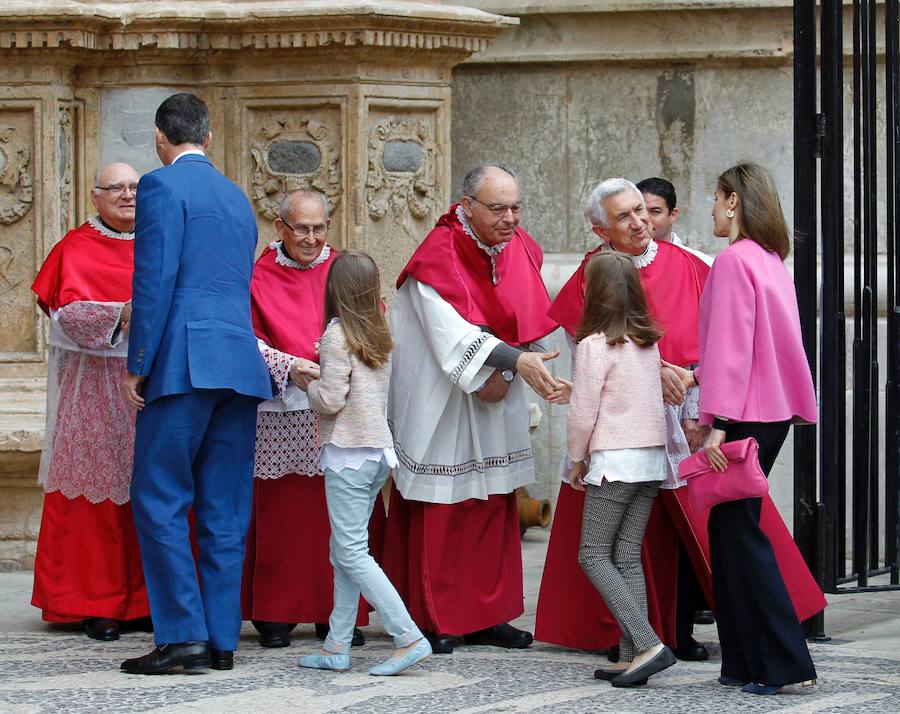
{"x": 300, "y": 95}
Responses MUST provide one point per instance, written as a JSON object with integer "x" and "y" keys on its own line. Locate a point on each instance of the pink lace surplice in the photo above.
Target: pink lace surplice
{"x": 89, "y": 438}
{"x": 287, "y": 442}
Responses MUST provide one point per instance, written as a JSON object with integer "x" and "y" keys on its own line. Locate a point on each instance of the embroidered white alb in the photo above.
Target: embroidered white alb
{"x": 105, "y": 230}
{"x": 492, "y": 250}
{"x": 282, "y": 258}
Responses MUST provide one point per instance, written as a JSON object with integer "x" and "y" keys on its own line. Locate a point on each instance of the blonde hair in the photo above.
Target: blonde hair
{"x": 759, "y": 214}
{"x": 614, "y": 302}
{"x": 353, "y": 295}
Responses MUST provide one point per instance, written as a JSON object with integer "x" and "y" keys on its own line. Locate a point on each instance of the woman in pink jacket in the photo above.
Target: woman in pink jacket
{"x": 756, "y": 383}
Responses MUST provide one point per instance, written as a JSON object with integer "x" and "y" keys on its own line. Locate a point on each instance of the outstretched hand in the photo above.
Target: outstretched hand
{"x": 562, "y": 394}
{"x": 531, "y": 367}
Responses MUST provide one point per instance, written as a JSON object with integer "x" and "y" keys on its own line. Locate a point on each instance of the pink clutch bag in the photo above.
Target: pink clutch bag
{"x": 742, "y": 479}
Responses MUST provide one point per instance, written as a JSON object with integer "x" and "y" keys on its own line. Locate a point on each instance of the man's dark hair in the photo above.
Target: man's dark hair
{"x": 184, "y": 119}
{"x": 659, "y": 187}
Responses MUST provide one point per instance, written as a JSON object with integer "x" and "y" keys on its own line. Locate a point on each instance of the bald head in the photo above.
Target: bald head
{"x": 114, "y": 195}
{"x": 491, "y": 202}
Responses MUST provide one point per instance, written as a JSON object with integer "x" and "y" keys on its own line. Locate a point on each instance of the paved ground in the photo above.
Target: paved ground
{"x": 44, "y": 669}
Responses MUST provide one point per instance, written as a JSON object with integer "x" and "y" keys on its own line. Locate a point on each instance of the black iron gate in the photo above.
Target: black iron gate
{"x": 823, "y": 474}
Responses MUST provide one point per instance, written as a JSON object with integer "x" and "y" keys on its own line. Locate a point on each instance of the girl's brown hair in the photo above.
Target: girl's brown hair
{"x": 759, "y": 213}
{"x": 614, "y": 302}
{"x": 353, "y": 295}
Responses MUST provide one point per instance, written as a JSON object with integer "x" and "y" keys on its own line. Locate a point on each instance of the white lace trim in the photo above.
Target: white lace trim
{"x": 283, "y": 259}
{"x": 645, "y": 258}
{"x": 492, "y": 250}
{"x": 105, "y": 230}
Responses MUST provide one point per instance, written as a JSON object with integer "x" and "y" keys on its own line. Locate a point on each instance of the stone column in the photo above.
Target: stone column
{"x": 350, "y": 98}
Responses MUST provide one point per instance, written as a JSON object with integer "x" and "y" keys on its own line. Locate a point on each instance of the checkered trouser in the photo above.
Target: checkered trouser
{"x": 615, "y": 517}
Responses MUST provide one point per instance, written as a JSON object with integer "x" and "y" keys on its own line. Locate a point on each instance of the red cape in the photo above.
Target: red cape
{"x": 288, "y": 304}
{"x": 672, "y": 282}
{"x": 514, "y": 310}
{"x": 85, "y": 265}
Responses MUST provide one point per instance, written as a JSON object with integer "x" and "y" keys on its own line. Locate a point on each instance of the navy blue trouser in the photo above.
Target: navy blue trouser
{"x": 194, "y": 450}
{"x": 761, "y": 639}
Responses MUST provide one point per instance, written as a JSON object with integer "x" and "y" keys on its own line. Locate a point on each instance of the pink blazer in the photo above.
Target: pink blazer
{"x": 752, "y": 363}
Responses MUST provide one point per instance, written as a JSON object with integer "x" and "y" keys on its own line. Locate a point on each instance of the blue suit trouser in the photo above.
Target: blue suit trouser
{"x": 194, "y": 450}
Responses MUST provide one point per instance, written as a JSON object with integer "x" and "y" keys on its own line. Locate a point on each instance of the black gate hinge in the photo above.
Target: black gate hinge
{"x": 819, "y": 136}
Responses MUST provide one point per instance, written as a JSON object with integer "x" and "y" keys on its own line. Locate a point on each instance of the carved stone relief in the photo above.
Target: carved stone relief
{"x": 64, "y": 165}
{"x": 19, "y": 247}
{"x": 400, "y": 183}
{"x": 15, "y": 179}
{"x": 291, "y": 152}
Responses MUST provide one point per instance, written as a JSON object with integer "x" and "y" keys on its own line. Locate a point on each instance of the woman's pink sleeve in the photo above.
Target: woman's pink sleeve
{"x": 727, "y": 358}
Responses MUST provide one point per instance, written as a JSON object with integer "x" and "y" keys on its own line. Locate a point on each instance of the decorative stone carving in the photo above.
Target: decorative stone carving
{"x": 290, "y": 154}
{"x": 401, "y": 175}
{"x": 15, "y": 180}
{"x": 64, "y": 161}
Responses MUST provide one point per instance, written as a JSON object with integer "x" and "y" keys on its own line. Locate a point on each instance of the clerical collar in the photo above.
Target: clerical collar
{"x": 99, "y": 225}
{"x": 644, "y": 259}
{"x": 282, "y": 258}
{"x": 492, "y": 250}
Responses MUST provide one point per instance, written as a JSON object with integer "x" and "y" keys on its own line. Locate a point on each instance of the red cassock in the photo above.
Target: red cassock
{"x": 570, "y": 611}
{"x": 458, "y": 566}
{"x": 87, "y": 563}
{"x": 287, "y": 573}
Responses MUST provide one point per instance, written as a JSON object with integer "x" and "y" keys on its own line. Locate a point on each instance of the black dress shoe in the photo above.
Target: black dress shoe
{"x": 690, "y": 650}
{"x": 440, "y": 644}
{"x": 322, "y": 630}
{"x": 274, "y": 634}
{"x": 221, "y": 659}
{"x": 102, "y": 628}
{"x": 608, "y": 675}
{"x": 639, "y": 676}
{"x": 186, "y": 657}
{"x": 502, "y": 635}
{"x": 704, "y": 617}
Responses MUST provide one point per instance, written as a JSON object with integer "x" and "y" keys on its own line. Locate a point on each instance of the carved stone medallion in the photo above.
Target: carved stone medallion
{"x": 15, "y": 180}
{"x": 401, "y": 176}
{"x": 292, "y": 153}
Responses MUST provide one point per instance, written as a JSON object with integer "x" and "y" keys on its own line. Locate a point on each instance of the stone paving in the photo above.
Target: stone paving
{"x": 55, "y": 669}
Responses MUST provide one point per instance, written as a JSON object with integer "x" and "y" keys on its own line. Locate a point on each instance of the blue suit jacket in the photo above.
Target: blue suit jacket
{"x": 195, "y": 238}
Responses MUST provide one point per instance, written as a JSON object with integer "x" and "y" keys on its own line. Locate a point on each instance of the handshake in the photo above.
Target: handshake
{"x": 304, "y": 371}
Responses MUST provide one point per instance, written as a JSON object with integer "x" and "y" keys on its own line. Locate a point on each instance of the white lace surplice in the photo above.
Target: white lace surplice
{"x": 450, "y": 445}
{"x": 89, "y": 437}
{"x": 287, "y": 430}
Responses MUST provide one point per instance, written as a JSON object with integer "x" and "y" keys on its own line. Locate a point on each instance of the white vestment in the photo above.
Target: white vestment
{"x": 450, "y": 445}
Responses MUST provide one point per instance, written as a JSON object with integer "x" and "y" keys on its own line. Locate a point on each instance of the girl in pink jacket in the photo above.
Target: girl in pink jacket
{"x": 616, "y": 442}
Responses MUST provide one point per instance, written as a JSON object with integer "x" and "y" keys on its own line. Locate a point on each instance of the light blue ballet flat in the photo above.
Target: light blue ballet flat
{"x": 336, "y": 662}
{"x": 389, "y": 667}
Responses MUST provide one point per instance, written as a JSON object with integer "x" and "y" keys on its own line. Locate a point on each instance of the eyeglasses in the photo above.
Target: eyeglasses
{"x": 117, "y": 189}
{"x": 303, "y": 231}
{"x": 500, "y": 209}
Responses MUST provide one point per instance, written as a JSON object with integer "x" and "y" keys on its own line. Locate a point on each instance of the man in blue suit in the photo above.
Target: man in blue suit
{"x": 196, "y": 375}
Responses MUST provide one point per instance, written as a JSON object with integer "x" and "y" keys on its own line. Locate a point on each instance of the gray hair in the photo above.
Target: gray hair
{"x": 473, "y": 180}
{"x": 301, "y": 193}
{"x": 594, "y": 210}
